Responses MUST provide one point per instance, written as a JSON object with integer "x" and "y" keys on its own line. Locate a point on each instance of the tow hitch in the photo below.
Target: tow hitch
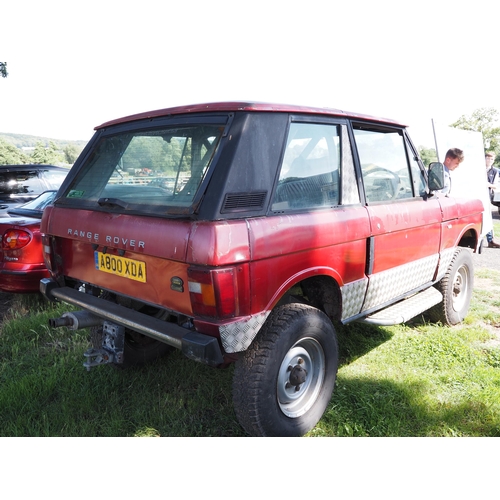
{"x": 113, "y": 341}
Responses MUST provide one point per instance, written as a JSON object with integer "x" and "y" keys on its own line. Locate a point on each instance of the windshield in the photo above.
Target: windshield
{"x": 144, "y": 170}
{"x": 54, "y": 178}
{"x": 20, "y": 184}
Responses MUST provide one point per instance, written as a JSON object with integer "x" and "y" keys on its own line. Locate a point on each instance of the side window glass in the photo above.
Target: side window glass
{"x": 384, "y": 164}
{"x": 418, "y": 175}
{"x": 309, "y": 175}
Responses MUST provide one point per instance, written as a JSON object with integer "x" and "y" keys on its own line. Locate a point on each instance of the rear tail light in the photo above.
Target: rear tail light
{"x": 213, "y": 292}
{"x": 47, "y": 251}
{"x": 14, "y": 239}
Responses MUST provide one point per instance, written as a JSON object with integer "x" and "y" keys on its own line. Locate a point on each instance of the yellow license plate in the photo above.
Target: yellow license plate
{"x": 120, "y": 266}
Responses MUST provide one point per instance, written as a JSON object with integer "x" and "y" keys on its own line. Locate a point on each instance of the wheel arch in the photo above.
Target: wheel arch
{"x": 317, "y": 287}
{"x": 469, "y": 238}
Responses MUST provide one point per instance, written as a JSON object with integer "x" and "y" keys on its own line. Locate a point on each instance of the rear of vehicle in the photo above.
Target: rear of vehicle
{"x": 141, "y": 237}
{"x": 21, "y": 259}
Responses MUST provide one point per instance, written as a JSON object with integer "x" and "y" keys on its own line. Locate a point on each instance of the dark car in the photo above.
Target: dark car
{"x": 21, "y": 259}
{"x": 22, "y": 183}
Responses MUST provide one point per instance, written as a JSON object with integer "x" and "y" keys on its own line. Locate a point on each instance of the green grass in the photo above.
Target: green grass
{"x": 419, "y": 379}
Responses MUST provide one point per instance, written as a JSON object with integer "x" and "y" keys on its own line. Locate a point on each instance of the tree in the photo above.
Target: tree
{"x": 71, "y": 153}
{"x": 428, "y": 155}
{"x": 46, "y": 155}
{"x": 10, "y": 155}
{"x": 484, "y": 120}
{"x": 3, "y": 69}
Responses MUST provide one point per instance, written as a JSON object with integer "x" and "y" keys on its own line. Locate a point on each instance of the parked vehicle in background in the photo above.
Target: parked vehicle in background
{"x": 22, "y": 183}
{"x": 21, "y": 260}
{"x": 288, "y": 220}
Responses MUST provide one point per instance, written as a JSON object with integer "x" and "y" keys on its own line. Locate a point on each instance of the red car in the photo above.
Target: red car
{"x": 21, "y": 260}
{"x": 281, "y": 221}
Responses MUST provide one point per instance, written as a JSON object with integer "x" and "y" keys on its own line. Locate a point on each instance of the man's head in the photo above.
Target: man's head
{"x": 453, "y": 158}
{"x": 489, "y": 158}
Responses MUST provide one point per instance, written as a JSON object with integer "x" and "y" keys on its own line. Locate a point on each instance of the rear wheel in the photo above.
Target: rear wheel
{"x": 284, "y": 381}
{"x": 456, "y": 287}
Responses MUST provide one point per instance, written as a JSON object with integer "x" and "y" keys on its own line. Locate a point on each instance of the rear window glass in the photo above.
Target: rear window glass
{"x": 148, "y": 169}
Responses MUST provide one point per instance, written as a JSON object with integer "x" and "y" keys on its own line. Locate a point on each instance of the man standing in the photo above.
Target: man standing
{"x": 493, "y": 179}
{"x": 452, "y": 160}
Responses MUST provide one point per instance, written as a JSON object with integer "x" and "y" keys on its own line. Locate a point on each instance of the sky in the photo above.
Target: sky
{"x": 75, "y": 65}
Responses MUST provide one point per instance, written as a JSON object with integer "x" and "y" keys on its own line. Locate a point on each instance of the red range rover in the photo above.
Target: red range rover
{"x": 241, "y": 232}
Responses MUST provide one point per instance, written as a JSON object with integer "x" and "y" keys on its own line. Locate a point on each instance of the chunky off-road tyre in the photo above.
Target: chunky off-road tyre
{"x": 456, "y": 287}
{"x": 284, "y": 381}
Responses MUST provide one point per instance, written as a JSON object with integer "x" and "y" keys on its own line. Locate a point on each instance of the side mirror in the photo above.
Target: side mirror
{"x": 436, "y": 176}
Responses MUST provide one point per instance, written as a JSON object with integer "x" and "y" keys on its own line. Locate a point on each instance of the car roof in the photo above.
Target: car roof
{"x": 29, "y": 166}
{"x": 244, "y": 106}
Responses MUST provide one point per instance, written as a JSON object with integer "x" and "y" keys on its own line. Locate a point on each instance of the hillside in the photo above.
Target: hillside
{"x": 29, "y": 141}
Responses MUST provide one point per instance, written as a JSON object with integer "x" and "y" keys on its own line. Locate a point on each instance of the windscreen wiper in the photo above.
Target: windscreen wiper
{"x": 112, "y": 203}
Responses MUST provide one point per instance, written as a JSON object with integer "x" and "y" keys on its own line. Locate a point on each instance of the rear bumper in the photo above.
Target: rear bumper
{"x": 194, "y": 345}
{"x": 22, "y": 280}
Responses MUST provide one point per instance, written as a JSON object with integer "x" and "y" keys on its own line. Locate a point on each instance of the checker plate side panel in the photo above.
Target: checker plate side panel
{"x": 353, "y": 295}
{"x": 445, "y": 261}
{"x": 387, "y": 285}
{"x": 238, "y": 336}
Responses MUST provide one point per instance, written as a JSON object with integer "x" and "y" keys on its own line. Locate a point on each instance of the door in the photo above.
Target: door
{"x": 405, "y": 223}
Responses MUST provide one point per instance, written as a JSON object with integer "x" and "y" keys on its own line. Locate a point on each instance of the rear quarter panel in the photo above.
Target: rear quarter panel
{"x": 289, "y": 248}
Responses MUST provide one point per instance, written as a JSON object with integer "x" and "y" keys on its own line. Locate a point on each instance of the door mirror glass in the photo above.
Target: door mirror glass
{"x": 436, "y": 176}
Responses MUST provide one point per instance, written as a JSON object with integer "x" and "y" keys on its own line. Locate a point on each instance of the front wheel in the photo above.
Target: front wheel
{"x": 456, "y": 287}
{"x": 284, "y": 381}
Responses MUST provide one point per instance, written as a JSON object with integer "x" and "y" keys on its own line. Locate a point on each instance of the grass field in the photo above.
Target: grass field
{"x": 418, "y": 379}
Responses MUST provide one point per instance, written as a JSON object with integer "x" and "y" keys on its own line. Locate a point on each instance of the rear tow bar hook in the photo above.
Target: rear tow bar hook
{"x": 111, "y": 351}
